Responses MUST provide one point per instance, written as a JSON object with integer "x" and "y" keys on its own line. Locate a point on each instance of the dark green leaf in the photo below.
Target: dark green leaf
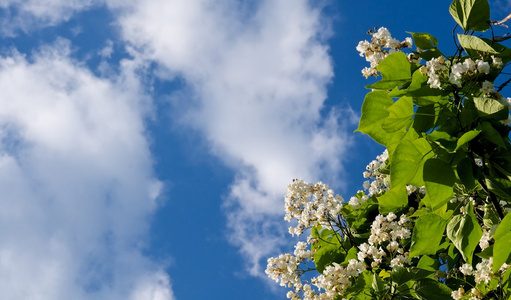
{"x": 491, "y": 134}
{"x": 499, "y": 186}
{"x": 431, "y": 289}
{"x": 428, "y": 263}
{"x": 425, "y": 118}
{"x": 467, "y": 137}
{"x": 328, "y": 254}
{"x": 466, "y": 173}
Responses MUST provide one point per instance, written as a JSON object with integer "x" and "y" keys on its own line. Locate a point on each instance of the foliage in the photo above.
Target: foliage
{"x": 432, "y": 221}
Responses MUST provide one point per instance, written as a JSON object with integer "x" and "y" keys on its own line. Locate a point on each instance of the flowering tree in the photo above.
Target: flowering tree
{"x": 432, "y": 221}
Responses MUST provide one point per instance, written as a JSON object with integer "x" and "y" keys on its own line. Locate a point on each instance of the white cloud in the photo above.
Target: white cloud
{"x": 258, "y": 72}
{"x": 26, "y": 15}
{"x": 76, "y": 182}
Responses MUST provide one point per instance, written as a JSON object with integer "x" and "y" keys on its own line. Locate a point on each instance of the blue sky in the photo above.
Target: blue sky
{"x": 145, "y": 145}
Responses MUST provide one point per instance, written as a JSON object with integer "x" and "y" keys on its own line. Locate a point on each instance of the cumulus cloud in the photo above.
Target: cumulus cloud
{"x": 258, "y": 73}
{"x": 76, "y": 181}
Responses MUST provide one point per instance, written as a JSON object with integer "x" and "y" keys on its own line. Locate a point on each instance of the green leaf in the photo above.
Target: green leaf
{"x": 465, "y": 233}
{"x": 395, "y": 67}
{"x": 374, "y": 112}
{"x": 470, "y": 42}
{"x": 400, "y": 275}
{"x": 328, "y": 254}
{"x": 425, "y": 117}
{"x": 504, "y": 227}
{"x": 407, "y": 162}
{"x": 490, "y": 217}
{"x": 471, "y": 14}
{"x": 400, "y": 115}
{"x": 439, "y": 179}
{"x": 428, "y": 263}
{"x": 466, "y": 173}
{"x": 432, "y": 289}
{"x": 486, "y": 253}
{"x": 500, "y": 187}
{"x": 491, "y": 134}
{"x": 427, "y": 234}
{"x": 467, "y": 137}
{"x": 378, "y": 283}
{"x": 488, "y": 107}
{"x": 386, "y": 84}
{"x": 424, "y": 41}
{"x": 393, "y": 200}
{"x": 502, "y": 251}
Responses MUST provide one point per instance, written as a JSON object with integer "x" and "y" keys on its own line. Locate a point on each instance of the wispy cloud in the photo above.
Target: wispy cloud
{"x": 76, "y": 181}
{"x": 27, "y": 15}
{"x": 258, "y": 75}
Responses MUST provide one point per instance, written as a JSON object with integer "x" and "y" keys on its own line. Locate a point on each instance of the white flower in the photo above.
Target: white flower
{"x": 485, "y": 239}
{"x": 487, "y": 87}
{"x": 466, "y": 269}
{"x": 482, "y": 66}
{"x": 484, "y": 271}
{"x": 408, "y": 42}
{"x": 496, "y": 62}
{"x": 458, "y": 294}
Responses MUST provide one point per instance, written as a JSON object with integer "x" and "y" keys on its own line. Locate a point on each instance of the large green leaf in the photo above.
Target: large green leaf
{"x": 407, "y": 162}
{"x": 428, "y": 288}
{"x": 439, "y": 179}
{"x": 488, "y": 107}
{"x": 491, "y": 134}
{"x": 471, "y": 14}
{"x": 427, "y": 234}
{"x": 502, "y": 246}
{"x": 467, "y": 137}
{"x": 395, "y": 67}
{"x": 400, "y": 115}
{"x": 374, "y": 112}
{"x": 425, "y": 117}
{"x": 464, "y": 232}
{"x": 424, "y": 41}
{"x": 466, "y": 172}
{"x": 470, "y": 42}
{"x": 500, "y": 187}
{"x": 504, "y": 227}
{"x": 502, "y": 251}
{"x": 328, "y": 254}
{"x": 393, "y": 200}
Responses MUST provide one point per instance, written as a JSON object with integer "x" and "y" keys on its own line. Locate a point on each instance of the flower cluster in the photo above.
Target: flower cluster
{"x": 381, "y": 45}
{"x": 376, "y": 183}
{"x": 309, "y": 204}
{"x": 387, "y": 232}
{"x": 335, "y": 279}
{"x": 440, "y": 70}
